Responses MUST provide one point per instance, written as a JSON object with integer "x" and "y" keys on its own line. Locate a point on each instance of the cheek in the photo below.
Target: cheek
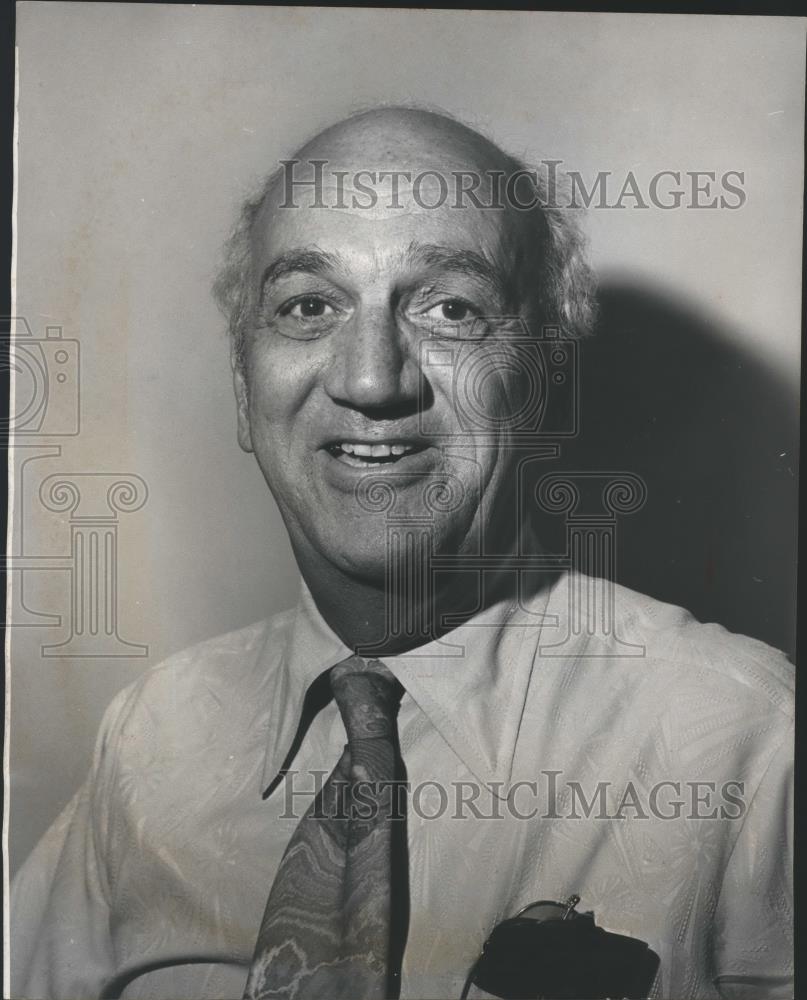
{"x": 281, "y": 378}
{"x": 484, "y": 392}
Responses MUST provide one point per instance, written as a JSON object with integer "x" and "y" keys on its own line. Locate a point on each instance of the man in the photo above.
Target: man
{"x": 643, "y": 767}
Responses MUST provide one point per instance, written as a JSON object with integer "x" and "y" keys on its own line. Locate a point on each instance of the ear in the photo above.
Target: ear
{"x": 242, "y": 405}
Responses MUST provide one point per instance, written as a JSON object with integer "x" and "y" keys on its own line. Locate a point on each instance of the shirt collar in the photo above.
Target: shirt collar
{"x": 471, "y": 683}
{"x": 310, "y": 648}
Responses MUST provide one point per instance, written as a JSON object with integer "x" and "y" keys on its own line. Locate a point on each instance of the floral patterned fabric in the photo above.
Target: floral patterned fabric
{"x": 153, "y": 881}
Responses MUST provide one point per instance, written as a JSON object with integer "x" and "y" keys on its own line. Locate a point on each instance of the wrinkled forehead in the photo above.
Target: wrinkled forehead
{"x": 383, "y": 185}
{"x": 416, "y": 163}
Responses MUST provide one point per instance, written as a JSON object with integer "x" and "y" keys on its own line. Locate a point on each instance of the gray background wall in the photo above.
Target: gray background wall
{"x": 141, "y": 127}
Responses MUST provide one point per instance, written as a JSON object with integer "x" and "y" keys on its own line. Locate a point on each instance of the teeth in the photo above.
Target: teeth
{"x": 374, "y": 450}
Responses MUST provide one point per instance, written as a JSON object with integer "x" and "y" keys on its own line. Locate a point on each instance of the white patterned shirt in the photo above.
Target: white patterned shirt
{"x": 646, "y": 769}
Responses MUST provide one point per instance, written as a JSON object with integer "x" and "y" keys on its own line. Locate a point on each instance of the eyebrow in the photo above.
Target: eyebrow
{"x": 309, "y": 260}
{"x": 463, "y": 261}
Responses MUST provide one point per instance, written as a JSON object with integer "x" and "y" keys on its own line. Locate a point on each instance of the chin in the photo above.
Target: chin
{"x": 351, "y": 545}
{"x": 372, "y": 550}
{"x": 369, "y": 566}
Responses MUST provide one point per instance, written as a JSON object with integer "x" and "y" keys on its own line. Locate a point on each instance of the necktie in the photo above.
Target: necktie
{"x": 330, "y": 925}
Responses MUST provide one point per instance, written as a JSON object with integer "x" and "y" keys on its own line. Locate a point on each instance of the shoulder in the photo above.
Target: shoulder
{"x": 206, "y": 679}
{"x": 685, "y": 649}
{"x": 666, "y": 694}
{"x": 665, "y": 653}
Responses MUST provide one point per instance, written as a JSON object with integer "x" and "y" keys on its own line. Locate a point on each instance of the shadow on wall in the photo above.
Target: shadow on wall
{"x": 669, "y": 395}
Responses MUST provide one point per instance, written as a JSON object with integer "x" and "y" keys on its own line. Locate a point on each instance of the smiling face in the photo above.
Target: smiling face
{"x": 365, "y": 322}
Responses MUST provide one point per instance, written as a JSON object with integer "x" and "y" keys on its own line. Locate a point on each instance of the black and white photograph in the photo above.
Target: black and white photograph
{"x": 402, "y": 443}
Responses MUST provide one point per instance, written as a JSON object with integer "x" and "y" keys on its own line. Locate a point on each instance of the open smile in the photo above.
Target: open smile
{"x": 368, "y": 455}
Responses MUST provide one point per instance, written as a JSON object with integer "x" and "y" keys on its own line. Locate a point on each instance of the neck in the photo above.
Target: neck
{"x": 361, "y": 613}
{"x": 377, "y": 617}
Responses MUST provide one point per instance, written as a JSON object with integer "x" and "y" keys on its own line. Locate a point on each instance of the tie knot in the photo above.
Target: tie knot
{"x": 368, "y": 696}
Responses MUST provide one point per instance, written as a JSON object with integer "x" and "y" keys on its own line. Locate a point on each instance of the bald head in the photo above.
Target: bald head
{"x": 406, "y": 160}
{"x": 393, "y": 162}
{"x": 408, "y": 137}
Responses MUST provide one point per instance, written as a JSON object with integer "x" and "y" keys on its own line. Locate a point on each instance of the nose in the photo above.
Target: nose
{"x": 372, "y": 367}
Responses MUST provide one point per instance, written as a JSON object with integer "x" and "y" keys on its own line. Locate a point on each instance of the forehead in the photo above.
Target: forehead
{"x": 379, "y": 239}
{"x": 370, "y": 195}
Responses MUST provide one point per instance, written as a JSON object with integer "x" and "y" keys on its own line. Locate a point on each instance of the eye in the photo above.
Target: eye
{"x": 310, "y": 307}
{"x": 309, "y": 316}
{"x": 452, "y": 311}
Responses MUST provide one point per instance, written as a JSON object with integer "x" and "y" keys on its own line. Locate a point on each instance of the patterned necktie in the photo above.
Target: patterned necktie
{"x": 329, "y": 929}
